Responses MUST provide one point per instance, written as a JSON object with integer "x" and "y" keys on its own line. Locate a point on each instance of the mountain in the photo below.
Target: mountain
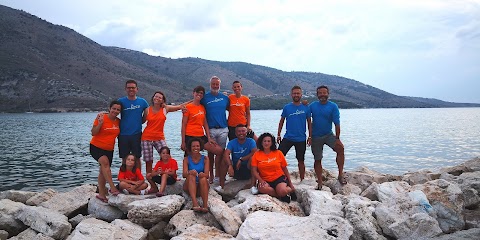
{"x": 47, "y": 67}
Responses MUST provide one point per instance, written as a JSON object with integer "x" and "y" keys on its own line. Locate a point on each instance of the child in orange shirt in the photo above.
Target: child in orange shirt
{"x": 164, "y": 172}
{"x": 131, "y": 178}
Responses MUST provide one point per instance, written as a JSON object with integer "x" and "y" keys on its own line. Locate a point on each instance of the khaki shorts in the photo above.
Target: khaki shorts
{"x": 220, "y": 136}
{"x": 318, "y": 142}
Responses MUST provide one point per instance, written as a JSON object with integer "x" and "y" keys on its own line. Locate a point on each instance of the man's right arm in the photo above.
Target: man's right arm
{"x": 280, "y": 126}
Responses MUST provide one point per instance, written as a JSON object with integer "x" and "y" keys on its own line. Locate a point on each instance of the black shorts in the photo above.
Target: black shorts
{"x": 232, "y": 135}
{"x": 130, "y": 144}
{"x": 300, "y": 148}
{"x": 277, "y": 181}
{"x": 243, "y": 173}
{"x": 97, "y": 153}
{"x": 158, "y": 179}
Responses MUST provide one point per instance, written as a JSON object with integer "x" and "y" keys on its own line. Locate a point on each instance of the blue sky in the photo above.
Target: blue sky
{"x": 428, "y": 48}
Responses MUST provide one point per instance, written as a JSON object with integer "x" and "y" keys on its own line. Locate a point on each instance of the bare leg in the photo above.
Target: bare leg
{"x": 211, "y": 157}
{"x": 148, "y": 166}
{"x": 301, "y": 169}
{"x": 163, "y": 183}
{"x": 153, "y": 184}
{"x": 102, "y": 190}
{"x": 282, "y": 189}
{"x": 222, "y": 169}
{"x": 268, "y": 190}
{"x": 318, "y": 171}
{"x": 142, "y": 186}
{"x": 339, "y": 149}
{"x": 106, "y": 172}
{"x": 192, "y": 189}
{"x": 203, "y": 184}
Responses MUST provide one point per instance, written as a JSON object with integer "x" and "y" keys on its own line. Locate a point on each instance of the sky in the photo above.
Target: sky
{"x": 427, "y": 48}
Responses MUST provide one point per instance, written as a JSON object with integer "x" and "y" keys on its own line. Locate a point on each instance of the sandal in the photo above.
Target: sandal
{"x": 197, "y": 209}
{"x": 103, "y": 199}
{"x": 114, "y": 193}
{"x": 342, "y": 179}
{"x": 319, "y": 187}
{"x": 159, "y": 194}
{"x": 204, "y": 209}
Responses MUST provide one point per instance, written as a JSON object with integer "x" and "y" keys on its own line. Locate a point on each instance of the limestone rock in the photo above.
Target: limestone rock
{"x": 319, "y": 202}
{"x": 152, "y": 211}
{"x": 199, "y": 231}
{"x": 103, "y": 211}
{"x": 470, "y": 234}
{"x": 121, "y": 201}
{"x": 157, "y": 231}
{"x": 447, "y": 200}
{"x": 187, "y": 218}
{"x": 68, "y": 203}
{"x": 29, "y": 234}
{"x": 472, "y": 218}
{"x": 229, "y": 220}
{"x": 468, "y": 166}
{"x": 359, "y": 212}
{"x": 364, "y": 177}
{"x": 371, "y": 192}
{"x": 3, "y": 234}
{"x": 41, "y": 197}
{"x": 94, "y": 229}
{"x": 232, "y": 188}
{"x": 419, "y": 177}
{"x": 272, "y": 225}
{"x": 417, "y": 226}
{"x": 174, "y": 189}
{"x": 46, "y": 221}
{"x": 389, "y": 190}
{"x": 264, "y": 202}
{"x": 17, "y": 196}
{"x": 469, "y": 180}
{"x": 8, "y": 222}
{"x": 77, "y": 219}
{"x": 471, "y": 197}
{"x": 347, "y": 189}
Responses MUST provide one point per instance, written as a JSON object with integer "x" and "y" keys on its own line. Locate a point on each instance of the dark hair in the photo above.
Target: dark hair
{"x": 236, "y": 81}
{"x": 189, "y": 144}
{"x": 131, "y": 81}
{"x": 116, "y": 102}
{"x": 163, "y": 148}
{"x": 323, "y": 86}
{"x": 273, "y": 147}
{"x": 240, "y": 125}
{"x": 123, "y": 168}
{"x": 199, "y": 89}
{"x": 163, "y": 97}
{"x": 296, "y": 87}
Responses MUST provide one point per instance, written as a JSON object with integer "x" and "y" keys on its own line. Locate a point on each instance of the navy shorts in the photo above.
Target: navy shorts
{"x": 243, "y": 173}
{"x": 300, "y": 148}
{"x": 158, "y": 179}
{"x": 232, "y": 135}
{"x": 130, "y": 144}
{"x": 282, "y": 179}
{"x": 97, "y": 153}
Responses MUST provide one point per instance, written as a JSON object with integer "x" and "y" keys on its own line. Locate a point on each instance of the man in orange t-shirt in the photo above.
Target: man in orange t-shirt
{"x": 239, "y": 112}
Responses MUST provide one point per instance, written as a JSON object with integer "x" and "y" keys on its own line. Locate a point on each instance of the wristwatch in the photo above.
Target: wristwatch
{"x": 240, "y": 159}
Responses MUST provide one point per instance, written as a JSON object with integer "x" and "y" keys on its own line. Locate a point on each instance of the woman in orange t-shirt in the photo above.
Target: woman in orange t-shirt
{"x": 194, "y": 124}
{"x": 270, "y": 168}
{"x": 153, "y": 136}
{"x": 105, "y": 130}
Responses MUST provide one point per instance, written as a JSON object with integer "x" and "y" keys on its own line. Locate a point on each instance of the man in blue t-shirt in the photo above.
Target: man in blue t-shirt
{"x": 324, "y": 113}
{"x": 216, "y": 105}
{"x": 237, "y": 158}
{"x": 131, "y": 122}
{"x": 297, "y": 115}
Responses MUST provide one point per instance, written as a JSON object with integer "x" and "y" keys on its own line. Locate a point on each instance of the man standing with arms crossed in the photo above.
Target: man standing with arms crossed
{"x": 324, "y": 113}
{"x": 216, "y": 104}
{"x": 297, "y": 114}
{"x": 129, "y": 140}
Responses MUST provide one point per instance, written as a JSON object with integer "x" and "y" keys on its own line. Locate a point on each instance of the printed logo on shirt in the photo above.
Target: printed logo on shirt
{"x": 268, "y": 160}
{"x": 241, "y": 151}
{"x": 237, "y": 104}
{"x": 216, "y": 100}
{"x": 132, "y": 107}
{"x": 112, "y": 128}
{"x": 198, "y": 114}
{"x": 298, "y": 112}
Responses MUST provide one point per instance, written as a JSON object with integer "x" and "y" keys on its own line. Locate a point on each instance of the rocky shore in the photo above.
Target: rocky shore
{"x": 443, "y": 204}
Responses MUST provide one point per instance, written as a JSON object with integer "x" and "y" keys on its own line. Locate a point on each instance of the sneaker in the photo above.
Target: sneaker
{"x": 218, "y": 188}
{"x": 286, "y": 199}
{"x": 293, "y": 196}
{"x": 254, "y": 190}
{"x": 216, "y": 180}
{"x": 142, "y": 192}
{"x": 125, "y": 191}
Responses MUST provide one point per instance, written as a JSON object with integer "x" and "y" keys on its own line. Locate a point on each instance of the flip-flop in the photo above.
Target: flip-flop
{"x": 114, "y": 193}
{"x": 342, "y": 180}
{"x": 105, "y": 200}
{"x": 204, "y": 210}
{"x": 197, "y": 209}
{"x": 159, "y": 194}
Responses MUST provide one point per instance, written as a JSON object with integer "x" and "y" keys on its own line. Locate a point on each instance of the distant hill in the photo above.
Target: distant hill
{"x": 47, "y": 67}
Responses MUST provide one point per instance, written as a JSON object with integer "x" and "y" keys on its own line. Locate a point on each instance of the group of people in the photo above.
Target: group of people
{"x": 206, "y": 126}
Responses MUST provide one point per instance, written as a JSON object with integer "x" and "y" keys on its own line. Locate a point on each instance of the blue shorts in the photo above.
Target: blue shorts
{"x": 130, "y": 144}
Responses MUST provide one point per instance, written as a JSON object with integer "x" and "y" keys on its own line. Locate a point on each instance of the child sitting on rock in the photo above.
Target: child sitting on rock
{"x": 164, "y": 172}
{"x": 131, "y": 178}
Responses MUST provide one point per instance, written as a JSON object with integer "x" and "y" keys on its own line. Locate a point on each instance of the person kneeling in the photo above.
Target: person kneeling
{"x": 130, "y": 177}
{"x": 164, "y": 172}
{"x": 270, "y": 168}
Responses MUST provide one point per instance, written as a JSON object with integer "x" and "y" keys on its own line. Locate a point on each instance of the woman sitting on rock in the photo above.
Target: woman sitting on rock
{"x": 270, "y": 169}
{"x": 195, "y": 170}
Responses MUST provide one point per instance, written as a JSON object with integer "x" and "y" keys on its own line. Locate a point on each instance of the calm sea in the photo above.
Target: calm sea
{"x": 51, "y": 150}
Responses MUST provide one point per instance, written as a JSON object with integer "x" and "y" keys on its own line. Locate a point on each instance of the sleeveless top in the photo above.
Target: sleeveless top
{"x": 155, "y": 123}
{"x": 199, "y": 167}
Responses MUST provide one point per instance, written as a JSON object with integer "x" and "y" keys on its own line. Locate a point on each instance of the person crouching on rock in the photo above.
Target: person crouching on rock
{"x": 164, "y": 172}
{"x": 131, "y": 178}
{"x": 270, "y": 169}
{"x": 195, "y": 170}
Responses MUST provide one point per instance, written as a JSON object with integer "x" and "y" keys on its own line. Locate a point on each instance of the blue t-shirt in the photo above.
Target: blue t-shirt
{"x": 240, "y": 150}
{"x": 296, "y": 117}
{"x": 216, "y": 107}
{"x": 323, "y": 115}
{"x": 131, "y": 117}
{"x": 199, "y": 167}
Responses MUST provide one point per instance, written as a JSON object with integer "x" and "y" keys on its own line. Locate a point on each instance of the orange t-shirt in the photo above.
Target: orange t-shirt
{"x": 196, "y": 118}
{"x": 105, "y": 138}
{"x": 269, "y": 165}
{"x": 155, "y": 123}
{"x": 237, "y": 111}
{"x": 170, "y": 165}
{"x": 129, "y": 175}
